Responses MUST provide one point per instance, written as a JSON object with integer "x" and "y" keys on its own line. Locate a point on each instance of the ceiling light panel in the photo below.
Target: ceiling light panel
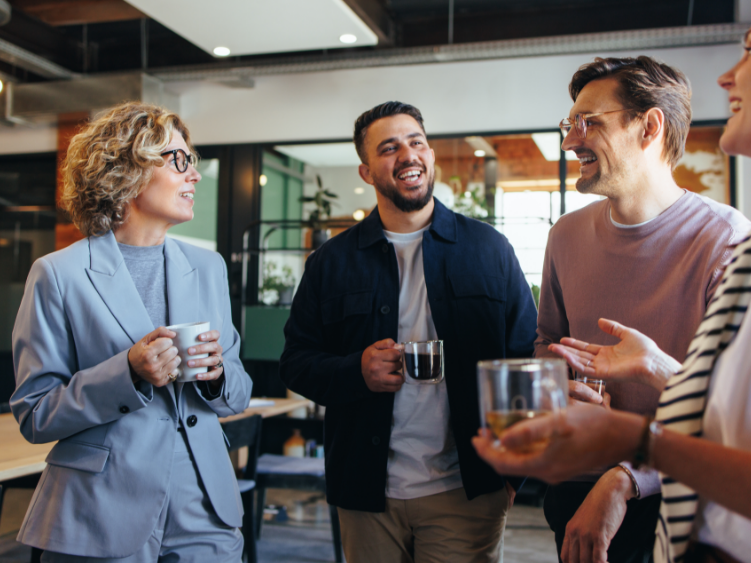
{"x": 250, "y": 27}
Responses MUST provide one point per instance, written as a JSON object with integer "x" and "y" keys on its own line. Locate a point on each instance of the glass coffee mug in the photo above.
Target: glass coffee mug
{"x": 511, "y": 391}
{"x": 422, "y": 362}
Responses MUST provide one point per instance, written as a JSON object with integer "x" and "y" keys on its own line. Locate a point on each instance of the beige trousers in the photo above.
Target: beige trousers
{"x": 439, "y": 528}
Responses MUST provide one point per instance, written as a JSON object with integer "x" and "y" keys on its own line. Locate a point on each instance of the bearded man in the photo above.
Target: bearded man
{"x": 400, "y": 466}
{"x": 649, "y": 255}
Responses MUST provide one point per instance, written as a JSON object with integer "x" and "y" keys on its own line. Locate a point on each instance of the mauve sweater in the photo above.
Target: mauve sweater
{"x": 656, "y": 278}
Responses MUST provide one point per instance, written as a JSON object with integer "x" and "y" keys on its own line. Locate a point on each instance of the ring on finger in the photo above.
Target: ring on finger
{"x": 172, "y": 376}
{"x": 220, "y": 364}
{"x": 589, "y": 362}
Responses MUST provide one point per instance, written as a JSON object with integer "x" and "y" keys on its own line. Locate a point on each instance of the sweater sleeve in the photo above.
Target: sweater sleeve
{"x": 648, "y": 480}
{"x": 552, "y": 322}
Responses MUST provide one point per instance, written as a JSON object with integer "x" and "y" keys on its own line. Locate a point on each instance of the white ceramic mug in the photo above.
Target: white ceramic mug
{"x": 187, "y": 336}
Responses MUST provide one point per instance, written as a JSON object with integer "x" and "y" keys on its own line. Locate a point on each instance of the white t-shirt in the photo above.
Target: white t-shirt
{"x": 422, "y": 453}
{"x": 727, "y": 421}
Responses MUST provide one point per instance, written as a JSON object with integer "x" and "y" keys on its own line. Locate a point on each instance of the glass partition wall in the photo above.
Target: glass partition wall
{"x": 512, "y": 181}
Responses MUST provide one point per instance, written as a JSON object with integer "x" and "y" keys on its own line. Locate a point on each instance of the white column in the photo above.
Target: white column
{"x": 743, "y": 178}
{"x": 743, "y": 10}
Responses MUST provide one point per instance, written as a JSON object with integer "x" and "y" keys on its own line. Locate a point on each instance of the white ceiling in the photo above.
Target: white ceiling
{"x": 323, "y": 155}
{"x": 249, "y": 27}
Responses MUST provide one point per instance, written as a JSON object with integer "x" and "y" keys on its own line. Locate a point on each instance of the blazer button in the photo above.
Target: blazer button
{"x": 385, "y": 310}
{"x": 192, "y": 419}
{"x": 124, "y": 409}
{"x": 376, "y": 440}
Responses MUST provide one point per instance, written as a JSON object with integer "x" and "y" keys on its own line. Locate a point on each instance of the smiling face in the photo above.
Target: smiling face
{"x": 736, "y": 139}
{"x": 608, "y": 154}
{"x": 400, "y": 164}
{"x": 167, "y": 200}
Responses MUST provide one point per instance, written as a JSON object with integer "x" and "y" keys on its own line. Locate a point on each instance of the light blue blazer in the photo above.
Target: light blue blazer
{"x": 108, "y": 475}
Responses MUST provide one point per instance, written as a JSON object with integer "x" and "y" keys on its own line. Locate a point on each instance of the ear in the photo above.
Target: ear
{"x": 364, "y": 171}
{"x": 654, "y": 126}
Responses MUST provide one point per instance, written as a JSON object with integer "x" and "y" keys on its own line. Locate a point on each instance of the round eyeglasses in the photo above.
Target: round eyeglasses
{"x": 181, "y": 159}
{"x": 580, "y": 122}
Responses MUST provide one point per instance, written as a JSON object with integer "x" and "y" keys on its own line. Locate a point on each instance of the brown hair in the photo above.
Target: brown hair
{"x": 386, "y": 109}
{"x": 111, "y": 160}
{"x": 645, "y": 84}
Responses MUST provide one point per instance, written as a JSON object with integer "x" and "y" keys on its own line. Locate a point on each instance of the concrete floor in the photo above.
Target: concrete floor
{"x": 306, "y": 535}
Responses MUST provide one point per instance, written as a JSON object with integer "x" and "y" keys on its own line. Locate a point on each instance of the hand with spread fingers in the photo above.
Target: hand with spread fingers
{"x": 154, "y": 358}
{"x": 214, "y": 362}
{"x": 635, "y": 357}
{"x": 381, "y": 366}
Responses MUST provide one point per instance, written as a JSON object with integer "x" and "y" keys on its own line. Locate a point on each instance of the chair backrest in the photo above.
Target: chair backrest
{"x": 245, "y": 432}
{"x": 4, "y": 408}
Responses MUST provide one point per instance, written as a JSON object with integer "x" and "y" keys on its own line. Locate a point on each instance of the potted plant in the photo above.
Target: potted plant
{"x": 323, "y": 200}
{"x": 277, "y": 288}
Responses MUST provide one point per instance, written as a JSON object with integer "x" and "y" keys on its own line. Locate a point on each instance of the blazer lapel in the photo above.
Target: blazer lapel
{"x": 111, "y": 279}
{"x": 183, "y": 289}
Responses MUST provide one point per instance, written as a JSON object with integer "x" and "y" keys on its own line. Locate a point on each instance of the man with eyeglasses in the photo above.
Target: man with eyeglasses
{"x": 648, "y": 255}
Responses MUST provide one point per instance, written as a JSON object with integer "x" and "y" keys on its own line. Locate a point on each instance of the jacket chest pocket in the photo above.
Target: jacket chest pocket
{"x": 339, "y": 308}
{"x": 492, "y": 288}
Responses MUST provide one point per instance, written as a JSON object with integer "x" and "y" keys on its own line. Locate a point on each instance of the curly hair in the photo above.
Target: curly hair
{"x": 111, "y": 160}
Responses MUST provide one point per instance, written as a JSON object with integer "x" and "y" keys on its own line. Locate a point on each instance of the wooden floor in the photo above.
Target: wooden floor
{"x": 306, "y": 535}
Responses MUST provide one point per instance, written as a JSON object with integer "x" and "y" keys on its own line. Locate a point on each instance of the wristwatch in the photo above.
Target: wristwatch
{"x": 644, "y": 454}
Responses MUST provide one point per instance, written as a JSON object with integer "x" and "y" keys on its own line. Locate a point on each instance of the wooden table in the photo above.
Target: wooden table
{"x": 19, "y": 458}
{"x": 281, "y": 406}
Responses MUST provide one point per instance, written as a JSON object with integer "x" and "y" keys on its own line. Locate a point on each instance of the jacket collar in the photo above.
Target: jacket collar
{"x": 112, "y": 281}
{"x": 443, "y": 225}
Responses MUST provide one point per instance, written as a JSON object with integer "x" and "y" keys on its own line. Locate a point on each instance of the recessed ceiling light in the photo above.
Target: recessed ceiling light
{"x": 348, "y": 38}
{"x": 221, "y": 51}
{"x": 359, "y": 191}
{"x": 479, "y": 153}
{"x": 262, "y": 179}
{"x": 358, "y": 215}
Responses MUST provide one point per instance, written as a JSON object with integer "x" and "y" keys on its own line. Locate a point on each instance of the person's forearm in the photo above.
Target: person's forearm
{"x": 659, "y": 369}
{"x": 718, "y": 473}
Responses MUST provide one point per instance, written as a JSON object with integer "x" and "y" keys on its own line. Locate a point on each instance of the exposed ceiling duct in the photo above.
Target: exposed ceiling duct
{"x": 538, "y": 47}
{"x": 43, "y": 101}
{"x": 22, "y": 58}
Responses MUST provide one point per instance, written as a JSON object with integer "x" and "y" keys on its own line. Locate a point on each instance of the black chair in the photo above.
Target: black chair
{"x": 28, "y": 482}
{"x": 246, "y": 432}
{"x": 300, "y": 474}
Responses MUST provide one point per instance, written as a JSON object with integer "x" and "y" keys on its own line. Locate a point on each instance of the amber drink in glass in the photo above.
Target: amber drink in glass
{"x": 511, "y": 391}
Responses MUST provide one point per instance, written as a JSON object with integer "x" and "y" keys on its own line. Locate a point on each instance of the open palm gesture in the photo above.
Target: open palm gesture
{"x": 636, "y": 357}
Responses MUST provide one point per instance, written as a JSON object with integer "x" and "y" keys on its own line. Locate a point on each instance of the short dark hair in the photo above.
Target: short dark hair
{"x": 379, "y": 112}
{"x": 645, "y": 84}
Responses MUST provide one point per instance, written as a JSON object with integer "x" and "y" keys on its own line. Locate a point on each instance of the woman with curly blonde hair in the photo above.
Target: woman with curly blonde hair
{"x": 140, "y": 471}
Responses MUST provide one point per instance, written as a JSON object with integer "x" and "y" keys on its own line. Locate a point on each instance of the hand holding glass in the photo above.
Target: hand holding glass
{"x": 511, "y": 391}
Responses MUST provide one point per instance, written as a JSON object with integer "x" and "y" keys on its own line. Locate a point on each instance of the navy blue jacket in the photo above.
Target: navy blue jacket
{"x": 349, "y": 298}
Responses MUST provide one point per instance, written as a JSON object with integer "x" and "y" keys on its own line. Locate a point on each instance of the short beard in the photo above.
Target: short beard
{"x": 401, "y": 202}
{"x": 588, "y": 185}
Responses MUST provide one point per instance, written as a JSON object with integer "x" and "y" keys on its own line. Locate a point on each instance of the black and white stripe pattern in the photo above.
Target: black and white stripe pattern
{"x": 684, "y": 399}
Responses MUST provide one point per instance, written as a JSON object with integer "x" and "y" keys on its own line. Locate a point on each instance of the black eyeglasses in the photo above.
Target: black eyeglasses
{"x": 580, "y": 122}
{"x": 182, "y": 159}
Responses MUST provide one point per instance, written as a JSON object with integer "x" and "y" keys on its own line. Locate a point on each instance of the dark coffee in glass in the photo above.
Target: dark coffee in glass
{"x": 423, "y": 362}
